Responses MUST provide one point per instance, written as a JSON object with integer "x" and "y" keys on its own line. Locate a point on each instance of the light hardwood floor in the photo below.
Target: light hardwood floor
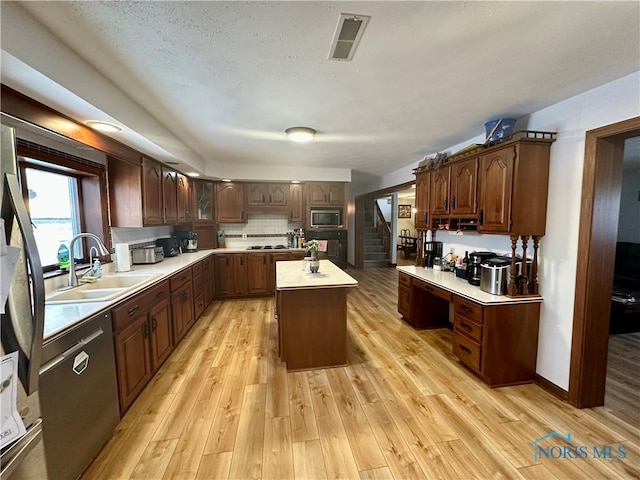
{"x": 622, "y": 391}
{"x": 224, "y": 406}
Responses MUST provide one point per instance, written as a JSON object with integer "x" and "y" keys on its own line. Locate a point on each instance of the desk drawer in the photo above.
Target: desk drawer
{"x": 470, "y": 329}
{"x": 468, "y": 309}
{"x": 466, "y": 350}
{"x": 404, "y": 279}
{"x": 438, "y": 292}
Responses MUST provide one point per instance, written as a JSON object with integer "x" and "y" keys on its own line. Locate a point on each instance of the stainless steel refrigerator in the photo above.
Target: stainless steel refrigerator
{"x": 22, "y": 324}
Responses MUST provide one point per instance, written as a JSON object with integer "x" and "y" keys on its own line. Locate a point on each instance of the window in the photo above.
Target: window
{"x": 65, "y": 195}
{"x": 54, "y": 209}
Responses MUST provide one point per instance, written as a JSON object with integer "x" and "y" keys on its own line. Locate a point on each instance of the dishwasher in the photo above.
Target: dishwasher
{"x": 78, "y": 396}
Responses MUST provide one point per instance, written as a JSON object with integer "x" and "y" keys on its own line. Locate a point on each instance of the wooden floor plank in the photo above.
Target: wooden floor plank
{"x": 215, "y": 466}
{"x": 303, "y": 420}
{"x": 277, "y": 457}
{"x": 247, "y": 456}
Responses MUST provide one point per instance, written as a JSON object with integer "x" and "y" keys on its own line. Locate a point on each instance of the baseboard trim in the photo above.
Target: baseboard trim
{"x": 552, "y": 388}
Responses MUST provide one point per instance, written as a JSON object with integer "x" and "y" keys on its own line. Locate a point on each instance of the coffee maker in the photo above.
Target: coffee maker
{"x": 188, "y": 241}
{"x": 432, "y": 250}
{"x": 474, "y": 270}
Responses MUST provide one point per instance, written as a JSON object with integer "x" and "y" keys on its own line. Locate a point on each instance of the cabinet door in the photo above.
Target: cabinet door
{"x": 205, "y": 193}
{"x": 496, "y": 179}
{"x": 317, "y": 194}
{"x": 296, "y": 204}
{"x": 208, "y": 280}
{"x": 464, "y": 179}
{"x": 169, "y": 196}
{"x": 132, "y": 358}
{"x": 257, "y": 267}
{"x": 161, "y": 339}
{"x": 223, "y": 274}
{"x": 239, "y": 274}
{"x": 230, "y": 203}
{"x": 257, "y": 194}
{"x": 423, "y": 184}
{"x": 151, "y": 192}
{"x": 185, "y": 198}
{"x": 335, "y": 193}
{"x": 404, "y": 302}
{"x": 271, "y": 272}
{"x": 440, "y": 191}
{"x": 182, "y": 310}
{"x": 278, "y": 195}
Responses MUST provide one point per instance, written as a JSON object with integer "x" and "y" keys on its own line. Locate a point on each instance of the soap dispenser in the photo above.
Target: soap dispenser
{"x": 97, "y": 268}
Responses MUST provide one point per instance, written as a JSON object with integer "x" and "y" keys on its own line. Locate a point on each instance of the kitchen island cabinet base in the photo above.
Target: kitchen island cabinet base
{"x": 312, "y": 327}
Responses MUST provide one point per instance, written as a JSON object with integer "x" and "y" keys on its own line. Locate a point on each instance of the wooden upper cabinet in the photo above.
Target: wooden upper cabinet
{"x": 496, "y": 179}
{"x": 278, "y": 194}
{"x": 204, "y": 201}
{"x": 423, "y": 184}
{"x": 152, "y": 182}
{"x": 230, "y": 207}
{"x": 464, "y": 179}
{"x": 326, "y": 193}
{"x": 296, "y": 203}
{"x": 269, "y": 195}
{"x": 185, "y": 198}
{"x": 169, "y": 196}
{"x": 513, "y": 189}
{"x": 440, "y": 182}
{"x": 257, "y": 194}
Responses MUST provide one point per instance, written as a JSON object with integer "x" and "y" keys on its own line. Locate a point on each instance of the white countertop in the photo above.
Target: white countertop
{"x": 291, "y": 276}
{"x": 59, "y": 317}
{"x": 448, "y": 281}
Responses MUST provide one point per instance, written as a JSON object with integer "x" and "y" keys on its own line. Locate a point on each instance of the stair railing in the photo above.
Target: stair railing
{"x": 384, "y": 230}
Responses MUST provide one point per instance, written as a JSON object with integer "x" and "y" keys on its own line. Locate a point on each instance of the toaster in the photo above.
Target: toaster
{"x": 147, "y": 255}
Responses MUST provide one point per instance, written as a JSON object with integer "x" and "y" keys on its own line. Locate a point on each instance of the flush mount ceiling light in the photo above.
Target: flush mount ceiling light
{"x": 104, "y": 126}
{"x": 300, "y": 134}
{"x": 193, "y": 174}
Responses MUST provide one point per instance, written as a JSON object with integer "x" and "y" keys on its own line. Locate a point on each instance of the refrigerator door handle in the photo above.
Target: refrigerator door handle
{"x": 13, "y": 457}
{"x": 19, "y": 210}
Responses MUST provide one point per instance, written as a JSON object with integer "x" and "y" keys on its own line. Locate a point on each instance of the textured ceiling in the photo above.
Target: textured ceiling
{"x": 227, "y": 78}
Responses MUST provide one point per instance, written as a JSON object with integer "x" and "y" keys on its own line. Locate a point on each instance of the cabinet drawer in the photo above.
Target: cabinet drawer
{"x": 197, "y": 269}
{"x": 469, "y": 328}
{"x": 123, "y": 314}
{"x": 438, "y": 292}
{"x": 466, "y": 350}
{"x": 180, "y": 279}
{"x": 198, "y": 306}
{"x": 404, "y": 279}
{"x": 468, "y": 309}
{"x": 198, "y": 286}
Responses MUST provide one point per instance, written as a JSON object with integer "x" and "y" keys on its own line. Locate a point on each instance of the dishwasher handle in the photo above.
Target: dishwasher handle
{"x": 67, "y": 353}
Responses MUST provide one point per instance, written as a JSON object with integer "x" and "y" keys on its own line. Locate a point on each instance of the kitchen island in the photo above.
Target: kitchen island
{"x": 311, "y": 309}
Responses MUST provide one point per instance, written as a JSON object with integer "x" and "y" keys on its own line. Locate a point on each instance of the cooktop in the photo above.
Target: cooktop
{"x": 266, "y": 247}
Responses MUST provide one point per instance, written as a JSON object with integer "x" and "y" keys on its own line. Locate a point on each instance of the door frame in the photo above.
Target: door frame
{"x": 599, "y": 211}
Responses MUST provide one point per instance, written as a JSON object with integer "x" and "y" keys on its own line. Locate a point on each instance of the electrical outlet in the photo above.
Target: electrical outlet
{"x": 244, "y": 236}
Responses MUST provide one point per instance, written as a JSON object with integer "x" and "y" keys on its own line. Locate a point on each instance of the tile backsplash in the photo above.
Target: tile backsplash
{"x": 260, "y": 229}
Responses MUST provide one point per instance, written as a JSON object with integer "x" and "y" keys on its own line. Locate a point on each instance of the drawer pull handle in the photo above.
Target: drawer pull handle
{"x": 133, "y": 310}
{"x": 467, "y": 309}
{"x": 154, "y": 324}
{"x": 464, "y": 349}
{"x": 429, "y": 289}
{"x": 160, "y": 294}
{"x": 466, "y": 327}
{"x": 145, "y": 329}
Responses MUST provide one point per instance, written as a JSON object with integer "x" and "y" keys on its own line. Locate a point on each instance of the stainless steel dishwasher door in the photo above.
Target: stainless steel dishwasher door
{"x": 78, "y": 396}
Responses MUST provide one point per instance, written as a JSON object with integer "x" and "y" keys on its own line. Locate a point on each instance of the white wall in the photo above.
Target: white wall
{"x": 385, "y": 208}
{"x": 629, "y": 220}
{"x": 613, "y": 102}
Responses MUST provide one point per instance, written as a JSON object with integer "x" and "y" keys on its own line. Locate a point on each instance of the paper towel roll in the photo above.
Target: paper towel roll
{"x": 123, "y": 257}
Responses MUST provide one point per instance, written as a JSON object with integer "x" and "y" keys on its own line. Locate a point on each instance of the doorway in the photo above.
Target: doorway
{"x": 601, "y": 187}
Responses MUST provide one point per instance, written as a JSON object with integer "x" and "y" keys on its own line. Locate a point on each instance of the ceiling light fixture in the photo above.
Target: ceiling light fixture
{"x": 104, "y": 126}
{"x": 295, "y": 181}
{"x": 226, "y": 180}
{"x": 300, "y": 134}
{"x": 193, "y": 174}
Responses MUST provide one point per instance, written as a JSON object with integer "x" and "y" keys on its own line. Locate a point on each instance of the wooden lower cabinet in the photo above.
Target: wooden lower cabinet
{"x": 182, "y": 309}
{"x": 143, "y": 340}
{"x": 208, "y": 279}
{"x": 257, "y": 273}
{"x": 421, "y": 304}
{"x": 498, "y": 342}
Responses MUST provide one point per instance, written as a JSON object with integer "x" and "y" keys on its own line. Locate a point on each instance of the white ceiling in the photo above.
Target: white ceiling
{"x": 221, "y": 81}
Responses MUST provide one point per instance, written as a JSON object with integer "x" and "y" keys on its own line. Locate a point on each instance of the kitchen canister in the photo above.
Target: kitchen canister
{"x": 123, "y": 257}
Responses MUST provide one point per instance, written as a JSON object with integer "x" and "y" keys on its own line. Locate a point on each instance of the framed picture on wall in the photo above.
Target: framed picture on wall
{"x": 404, "y": 211}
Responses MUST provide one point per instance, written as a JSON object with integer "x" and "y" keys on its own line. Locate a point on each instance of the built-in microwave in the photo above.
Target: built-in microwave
{"x": 326, "y": 218}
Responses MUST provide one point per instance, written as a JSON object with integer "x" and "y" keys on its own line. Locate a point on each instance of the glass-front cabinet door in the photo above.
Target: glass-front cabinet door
{"x": 205, "y": 193}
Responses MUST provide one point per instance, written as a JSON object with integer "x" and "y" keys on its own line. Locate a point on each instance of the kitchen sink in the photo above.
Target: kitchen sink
{"x": 80, "y": 295}
{"x": 105, "y": 289}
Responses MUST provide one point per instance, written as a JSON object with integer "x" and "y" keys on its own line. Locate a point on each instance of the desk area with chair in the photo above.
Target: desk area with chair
{"x": 407, "y": 243}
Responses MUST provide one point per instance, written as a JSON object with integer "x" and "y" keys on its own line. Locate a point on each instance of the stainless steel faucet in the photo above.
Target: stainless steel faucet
{"x": 73, "y": 277}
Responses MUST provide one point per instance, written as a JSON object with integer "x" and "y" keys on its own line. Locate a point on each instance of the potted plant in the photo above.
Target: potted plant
{"x": 312, "y": 247}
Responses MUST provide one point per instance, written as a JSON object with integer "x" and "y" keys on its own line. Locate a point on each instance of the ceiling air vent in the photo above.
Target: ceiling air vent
{"x": 347, "y": 36}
